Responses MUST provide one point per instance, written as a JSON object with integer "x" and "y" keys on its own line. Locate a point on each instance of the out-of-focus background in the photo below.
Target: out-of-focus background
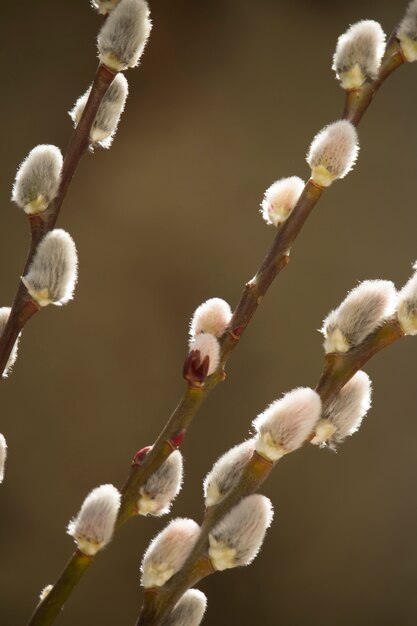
{"x": 227, "y": 99}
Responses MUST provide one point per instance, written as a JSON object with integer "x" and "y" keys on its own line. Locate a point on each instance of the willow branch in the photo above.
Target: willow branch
{"x": 23, "y": 307}
{"x": 193, "y": 397}
{"x": 175, "y": 429}
{"x": 357, "y": 103}
{"x": 358, "y": 100}
{"x": 338, "y": 370}
{"x": 46, "y": 612}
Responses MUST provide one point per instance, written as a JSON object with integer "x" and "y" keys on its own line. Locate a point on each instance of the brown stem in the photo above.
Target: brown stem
{"x": 25, "y": 309}
{"x": 193, "y": 398}
{"x": 338, "y": 369}
{"x": 276, "y": 260}
{"x": 173, "y": 431}
{"x": 44, "y": 222}
{"x": 152, "y": 611}
{"x": 158, "y": 602}
{"x": 358, "y": 100}
{"x": 80, "y": 139}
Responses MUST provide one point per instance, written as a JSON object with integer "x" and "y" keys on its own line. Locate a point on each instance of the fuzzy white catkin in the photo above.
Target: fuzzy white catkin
{"x": 104, "y": 6}
{"x": 362, "y": 311}
{"x": 407, "y": 305}
{"x": 358, "y": 54}
{"x": 108, "y": 115}
{"x": 3, "y": 456}
{"x": 237, "y": 538}
{"x": 344, "y": 413}
{"x": 37, "y": 179}
{"x": 188, "y": 611}
{"x": 286, "y": 423}
{"x": 208, "y": 346}
{"x": 280, "y": 199}
{"x": 45, "y": 592}
{"x": 52, "y": 275}
{"x": 213, "y": 316}
{"x": 124, "y": 34}
{"x": 333, "y": 152}
{"x": 4, "y": 316}
{"x": 168, "y": 551}
{"x": 226, "y": 472}
{"x": 162, "y": 487}
{"x": 93, "y": 527}
{"x": 407, "y": 32}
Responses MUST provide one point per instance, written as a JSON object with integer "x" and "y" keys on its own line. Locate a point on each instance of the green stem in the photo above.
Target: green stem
{"x": 51, "y": 605}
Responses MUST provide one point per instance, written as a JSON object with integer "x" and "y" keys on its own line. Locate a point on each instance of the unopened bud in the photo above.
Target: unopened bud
{"x": 162, "y": 487}
{"x": 238, "y": 537}
{"x": 333, "y": 152}
{"x": 407, "y": 305}
{"x": 280, "y": 199}
{"x": 4, "y": 316}
{"x": 45, "y": 592}
{"x": 104, "y": 6}
{"x": 53, "y": 272}
{"x": 123, "y": 36}
{"x": 3, "y": 455}
{"x": 343, "y": 415}
{"x": 362, "y": 311}
{"x": 358, "y": 54}
{"x": 227, "y": 471}
{"x": 168, "y": 551}
{"x": 93, "y": 527}
{"x": 286, "y": 423}
{"x": 407, "y": 32}
{"x": 188, "y": 611}
{"x": 37, "y": 179}
{"x": 213, "y": 317}
{"x": 108, "y": 115}
{"x": 203, "y": 358}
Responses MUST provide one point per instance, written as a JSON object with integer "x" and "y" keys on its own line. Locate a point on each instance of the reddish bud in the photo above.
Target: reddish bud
{"x": 176, "y": 440}
{"x": 236, "y": 332}
{"x": 140, "y": 455}
{"x": 195, "y": 370}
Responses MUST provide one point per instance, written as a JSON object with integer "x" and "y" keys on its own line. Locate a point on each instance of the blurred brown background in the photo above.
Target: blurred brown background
{"x": 227, "y": 99}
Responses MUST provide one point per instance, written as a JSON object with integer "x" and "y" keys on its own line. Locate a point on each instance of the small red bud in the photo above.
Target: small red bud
{"x": 176, "y": 440}
{"x": 195, "y": 370}
{"x": 236, "y": 332}
{"x": 140, "y": 455}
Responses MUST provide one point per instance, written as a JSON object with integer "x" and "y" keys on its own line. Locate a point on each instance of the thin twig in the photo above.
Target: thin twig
{"x": 357, "y": 102}
{"x": 46, "y": 612}
{"x": 23, "y": 307}
{"x": 254, "y": 291}
{"x": 176, "y": 427}
{"x": 338, "y": 370}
